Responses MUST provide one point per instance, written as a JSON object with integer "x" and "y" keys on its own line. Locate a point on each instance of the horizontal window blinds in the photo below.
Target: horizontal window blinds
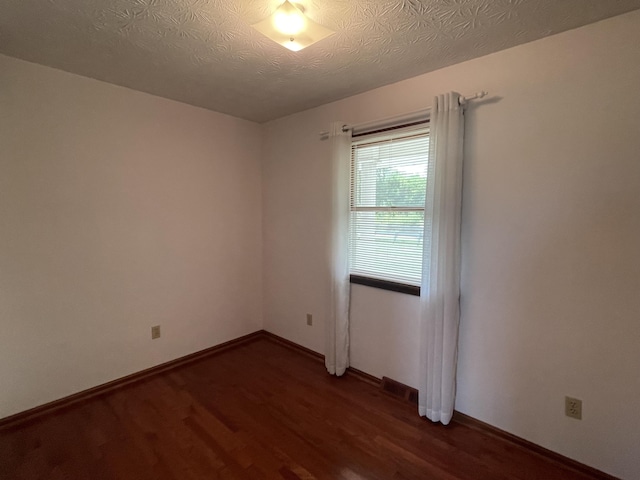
{"x": 388, "y": 187}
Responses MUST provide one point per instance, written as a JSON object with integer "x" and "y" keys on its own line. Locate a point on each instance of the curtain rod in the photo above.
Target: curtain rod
{"x": 417, "y": 113}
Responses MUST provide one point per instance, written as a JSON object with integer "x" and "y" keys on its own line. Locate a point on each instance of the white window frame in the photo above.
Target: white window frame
{"x": 386, "y": 281}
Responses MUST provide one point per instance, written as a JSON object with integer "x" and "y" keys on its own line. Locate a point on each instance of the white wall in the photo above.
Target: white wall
{"x": 118, "y": 211}
{"x": 551, "y": 230}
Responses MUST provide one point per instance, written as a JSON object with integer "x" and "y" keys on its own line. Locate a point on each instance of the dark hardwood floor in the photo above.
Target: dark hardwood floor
{"x": 257, "y": 411}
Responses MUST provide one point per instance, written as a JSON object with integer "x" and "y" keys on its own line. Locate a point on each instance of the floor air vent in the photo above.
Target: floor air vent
{"x": 400, "y": 390}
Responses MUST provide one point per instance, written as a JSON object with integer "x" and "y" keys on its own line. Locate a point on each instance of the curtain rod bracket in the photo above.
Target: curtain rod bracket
{"x": 462, "y": 101}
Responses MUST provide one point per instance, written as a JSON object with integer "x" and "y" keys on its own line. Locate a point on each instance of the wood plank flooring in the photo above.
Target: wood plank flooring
{"x": 259, "y": 411}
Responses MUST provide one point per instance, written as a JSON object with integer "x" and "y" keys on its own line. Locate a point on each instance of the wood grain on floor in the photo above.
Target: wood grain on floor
{"x": 259, "y": 411}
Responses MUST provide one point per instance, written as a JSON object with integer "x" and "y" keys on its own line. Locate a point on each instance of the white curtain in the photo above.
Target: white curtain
{"x": 440, "y": 289}
{"x": 337, "y": 325}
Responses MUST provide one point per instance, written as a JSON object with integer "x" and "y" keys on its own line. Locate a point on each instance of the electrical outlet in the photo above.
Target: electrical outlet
{"x": 155, "y": 332}
{"x": 309, "y": 319}
{"x": 573, "y": 407}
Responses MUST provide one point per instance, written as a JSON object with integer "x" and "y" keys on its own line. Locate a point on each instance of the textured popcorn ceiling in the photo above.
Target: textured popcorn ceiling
{"x": 205, "y": 53}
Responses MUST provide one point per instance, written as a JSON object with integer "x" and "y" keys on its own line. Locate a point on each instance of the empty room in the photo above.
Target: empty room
{"x": 342, "y": 239}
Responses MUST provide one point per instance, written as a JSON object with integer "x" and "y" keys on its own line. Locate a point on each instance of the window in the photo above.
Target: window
{"x": 388, "y": 188}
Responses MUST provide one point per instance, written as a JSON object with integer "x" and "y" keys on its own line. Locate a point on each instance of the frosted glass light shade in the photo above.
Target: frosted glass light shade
{"x": 289, "y": 20}
{"x": 289, "y": 27}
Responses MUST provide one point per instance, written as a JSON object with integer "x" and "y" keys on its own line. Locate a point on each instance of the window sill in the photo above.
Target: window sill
{"x": 385, "y": 285}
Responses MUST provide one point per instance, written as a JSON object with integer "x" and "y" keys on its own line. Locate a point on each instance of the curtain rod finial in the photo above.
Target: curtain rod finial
{"x": 480, "y": 94}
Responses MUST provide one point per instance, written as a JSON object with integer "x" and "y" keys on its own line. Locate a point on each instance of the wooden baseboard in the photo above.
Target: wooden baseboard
{"x": 488, "y": 429}
{"x": 354, "y": 372}
{"x": 364, "y": 377}
{"x": 390, "y": 386}
{"x": 293, "y": 346}
{"x": 410, "y": 395}
{"x": 66, "y": 402}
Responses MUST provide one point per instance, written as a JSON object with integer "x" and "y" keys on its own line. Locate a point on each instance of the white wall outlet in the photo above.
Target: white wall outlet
{"x": 155, "y": 332}
{"x": 309, "y": 319}
{"x": 573, "y": 407}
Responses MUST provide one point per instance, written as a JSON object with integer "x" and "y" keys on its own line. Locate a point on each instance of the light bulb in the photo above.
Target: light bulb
{"x": 288, "y": 19}
{"x": 289, "y": 27}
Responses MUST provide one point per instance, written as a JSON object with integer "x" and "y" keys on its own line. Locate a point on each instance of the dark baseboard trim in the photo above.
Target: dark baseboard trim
{"x": 293, "y": 346}
{"x": 389, "y": 386}
{"x": 354, "y": 372}
{"x": 410, "y": 395}
{"x": 65, "y": 402}
{"x": 364, "y": 377}
{"x": 466, "y": 420}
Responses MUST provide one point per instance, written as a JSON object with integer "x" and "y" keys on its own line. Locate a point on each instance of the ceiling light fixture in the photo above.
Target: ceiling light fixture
{"x": 291, "y": 28}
